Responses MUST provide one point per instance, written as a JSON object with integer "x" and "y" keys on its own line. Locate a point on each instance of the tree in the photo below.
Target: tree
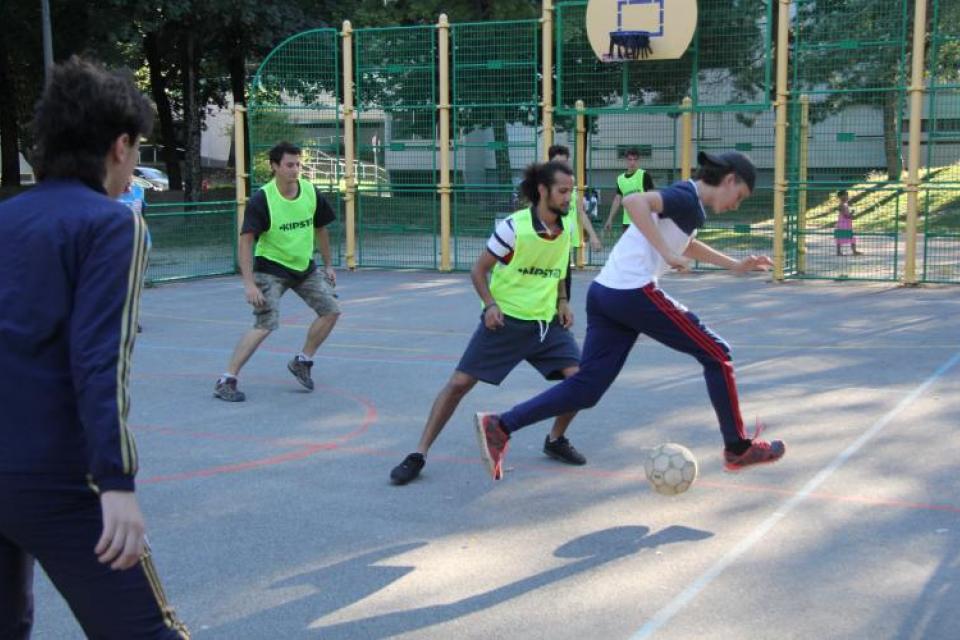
{"x": 864, "y": 64}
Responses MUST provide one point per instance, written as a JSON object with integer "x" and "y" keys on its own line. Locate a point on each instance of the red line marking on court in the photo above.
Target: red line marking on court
{"x": 307, "y": 449}
{"x": 304, "y": 451}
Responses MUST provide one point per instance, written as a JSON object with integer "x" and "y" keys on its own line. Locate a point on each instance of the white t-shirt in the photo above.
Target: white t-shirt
{"x": 633, "y": 262}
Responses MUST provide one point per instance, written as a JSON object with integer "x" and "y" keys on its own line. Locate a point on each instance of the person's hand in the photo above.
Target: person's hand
{"x": 122, "y": 542}
{"x": 753, "y": 263}
{"x": 330, "y": 275}
{"x": 493, "y": 317}
{"x": 595, "y": 243}
{"x": 254, "y": 295}
{"x": 606, "y": 225}
{"x": 678, "y": 262}
{"x": 564, "y": 314}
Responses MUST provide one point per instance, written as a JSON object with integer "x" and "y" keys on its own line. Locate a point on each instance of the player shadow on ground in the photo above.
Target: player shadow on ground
{"x": 934, "y": 614}
{"x": 589, "y": 551}
{"x": 335, "y": 586}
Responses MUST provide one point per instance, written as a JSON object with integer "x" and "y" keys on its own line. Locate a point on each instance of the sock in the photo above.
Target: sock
{"x": 739, "y": 448}
{"x": 302, "y": 358}
{"x": 227, "y": 376}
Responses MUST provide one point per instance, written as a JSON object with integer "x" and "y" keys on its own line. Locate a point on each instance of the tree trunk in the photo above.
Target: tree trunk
{"x": 158, "y": 87}
{"x": 238, "y": 84}
{"x": 891, "y": 140}
{"x": 9, "y": 125}
{"x": 189, "y": 68}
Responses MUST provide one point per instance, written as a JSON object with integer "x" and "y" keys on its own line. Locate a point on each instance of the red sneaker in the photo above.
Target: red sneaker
{"x": 493, "y": 442}
{"x": 760, "y": 452}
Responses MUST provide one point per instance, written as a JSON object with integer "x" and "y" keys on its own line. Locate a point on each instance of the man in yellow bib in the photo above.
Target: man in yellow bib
{"x": 633, "y": 180}
{"x": 525, "y": 311}
{"x": 287, "y": 219}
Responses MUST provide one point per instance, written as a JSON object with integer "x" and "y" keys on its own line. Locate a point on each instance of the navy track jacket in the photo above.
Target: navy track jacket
{"x": 71, "y": 272}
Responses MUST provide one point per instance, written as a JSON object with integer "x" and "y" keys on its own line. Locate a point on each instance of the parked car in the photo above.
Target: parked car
{"x": 146, "y": 184}
{"x": 155, "y": 177}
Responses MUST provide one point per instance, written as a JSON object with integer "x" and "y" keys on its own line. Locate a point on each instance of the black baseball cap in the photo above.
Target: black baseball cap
{"x": 734, "y": 160}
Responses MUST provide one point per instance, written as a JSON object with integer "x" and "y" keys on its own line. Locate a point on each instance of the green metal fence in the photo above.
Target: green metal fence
{"x": 727, "y": 73}
{"x": 396, "y": 98}
{"x": 851, "y": 73}
{"x": 855, "y": 80}
{"x": 940, "y": 192}
{"x": 495, "y": 102}
{"x": 191, "y": 239}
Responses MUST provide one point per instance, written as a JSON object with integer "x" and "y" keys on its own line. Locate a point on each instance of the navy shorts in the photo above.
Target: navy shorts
{"x": 547, "y": 346}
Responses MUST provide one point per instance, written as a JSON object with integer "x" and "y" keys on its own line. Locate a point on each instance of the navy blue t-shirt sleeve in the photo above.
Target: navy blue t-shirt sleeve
{"x": 324, "y": 214}
{"x": 256, "y": 217}
{"x": 103, "y": 326}
{"x": 681, "y": 205}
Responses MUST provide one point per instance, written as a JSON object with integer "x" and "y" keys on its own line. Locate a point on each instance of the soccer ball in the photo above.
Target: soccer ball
{"x": 671, "y": 468}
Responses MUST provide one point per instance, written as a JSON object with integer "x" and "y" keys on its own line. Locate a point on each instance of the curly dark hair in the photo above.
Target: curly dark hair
{"x": 83, "y": 110}
{"x": 541, "y": 174}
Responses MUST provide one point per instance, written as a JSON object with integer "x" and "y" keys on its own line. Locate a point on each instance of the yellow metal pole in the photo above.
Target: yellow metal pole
{"x": 349, "y": 147}
{"x": 686, "y": 142}
{"x": 240, "y": 167}
{"x": 780, "y": 152}
{"x": 444, "y": 189}
{"x": 804, "y": 163}
{"x": 916, "y": 113}
{"x": 546, "y": 26}
{"x": 581, "y": 165}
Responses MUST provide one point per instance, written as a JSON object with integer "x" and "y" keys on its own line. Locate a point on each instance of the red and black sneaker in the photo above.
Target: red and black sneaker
{"x": 493, "y": 442}
{"x": 759, "y": 452}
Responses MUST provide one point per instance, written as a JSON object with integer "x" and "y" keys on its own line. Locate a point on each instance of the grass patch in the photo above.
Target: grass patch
{"x": 879, "y": 205}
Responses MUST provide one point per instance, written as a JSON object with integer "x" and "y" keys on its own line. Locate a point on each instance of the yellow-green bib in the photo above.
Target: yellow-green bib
{"x": 527, "y": 287}
{"x": 289, "y": 240}
{"x": 633, "y": 184}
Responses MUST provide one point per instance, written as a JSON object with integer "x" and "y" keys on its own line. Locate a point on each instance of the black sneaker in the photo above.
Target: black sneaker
{"x": 561, "y": 449}
{"x": 227, "y": 390}
{"x": 301, "y": 371}
{"x": 408, "y": 470}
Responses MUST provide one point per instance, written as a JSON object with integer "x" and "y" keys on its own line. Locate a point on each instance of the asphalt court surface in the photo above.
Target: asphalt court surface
{"x": 275, "y": 519}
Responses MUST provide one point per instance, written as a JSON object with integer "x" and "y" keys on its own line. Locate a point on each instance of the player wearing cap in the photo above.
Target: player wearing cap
{"x": 625, "y": 301}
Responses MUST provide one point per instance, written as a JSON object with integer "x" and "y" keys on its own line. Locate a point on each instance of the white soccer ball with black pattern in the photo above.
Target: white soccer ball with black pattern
{"x": 671, "y": 468}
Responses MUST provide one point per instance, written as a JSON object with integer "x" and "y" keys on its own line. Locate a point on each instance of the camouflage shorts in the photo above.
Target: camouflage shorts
{"x": 314, "y": 290}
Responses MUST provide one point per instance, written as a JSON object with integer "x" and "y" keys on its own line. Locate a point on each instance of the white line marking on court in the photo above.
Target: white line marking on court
{"x": 676, "y": 605}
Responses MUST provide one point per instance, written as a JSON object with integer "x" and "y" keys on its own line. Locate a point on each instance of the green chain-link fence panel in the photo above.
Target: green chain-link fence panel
{"x": 748, "y": 230}
{"x": 495, "y": 97}
{"x": 609, "y": 136}
{"x": 396, "y": 99}
{"x": 295, "y": 96}
{"x": 191, "y": 239}
{"x": 940, "y": 194}
{"x": 726, "y": 71}
{"x": 850, "y": 60}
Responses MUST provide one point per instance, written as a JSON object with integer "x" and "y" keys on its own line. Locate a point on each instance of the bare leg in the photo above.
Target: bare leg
{"x": 318, "y": 332}
{"x": 245, "y": 348}
{"x": 563, "y": 421}
{"x": 446, "y": 403}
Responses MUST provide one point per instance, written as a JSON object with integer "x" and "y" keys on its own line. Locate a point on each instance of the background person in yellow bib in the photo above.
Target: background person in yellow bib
{"x": 286, "y": 219}
{"x": 525, "y": 311}
{"x": 633, "y": 180}
{"x": 577, "y": 217}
